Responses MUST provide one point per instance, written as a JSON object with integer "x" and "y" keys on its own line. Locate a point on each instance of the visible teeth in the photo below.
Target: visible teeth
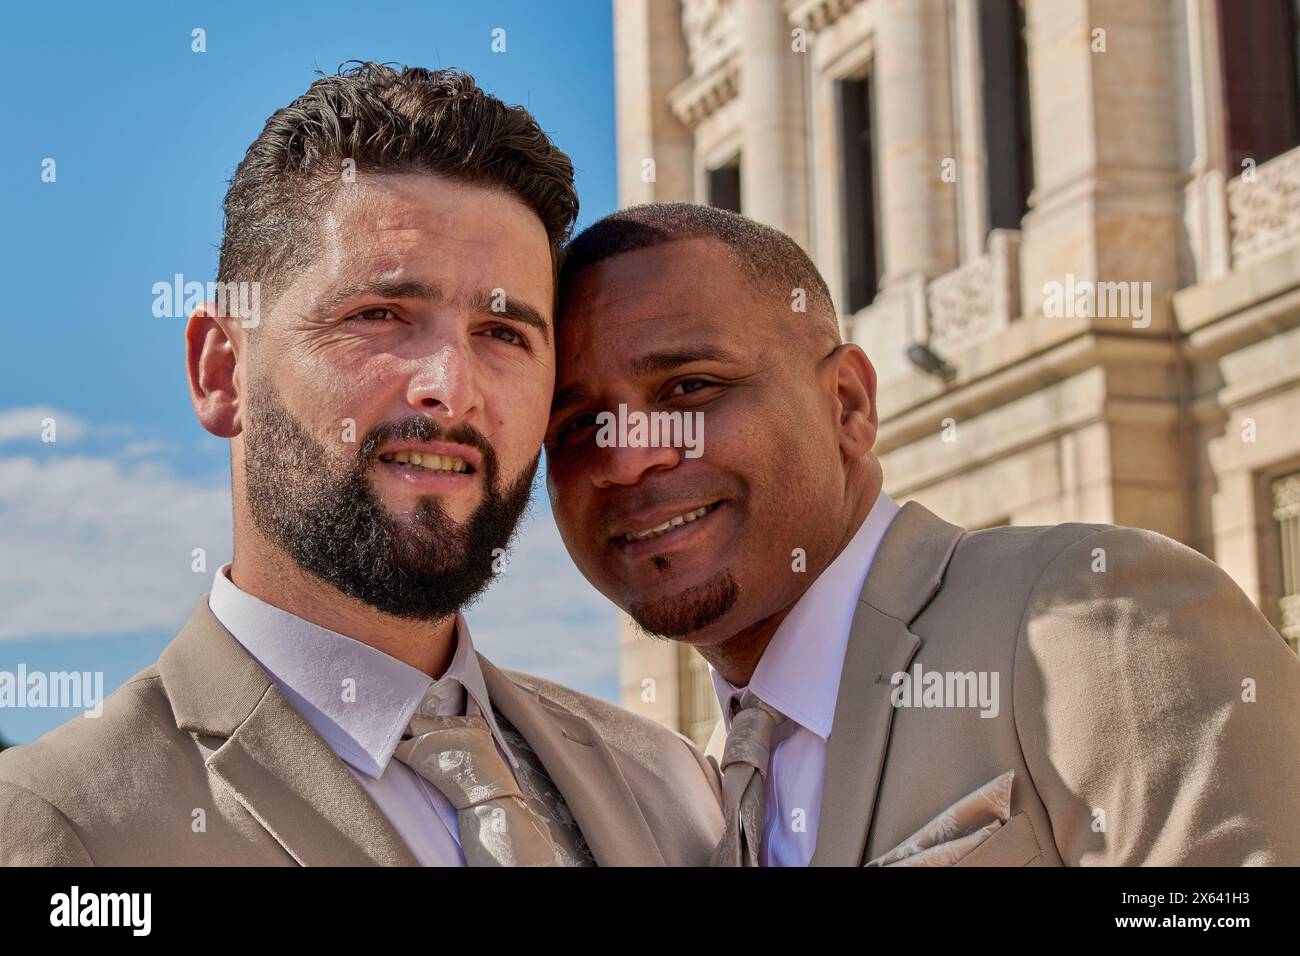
{"x": 667, "y": 525}
{"x": 427, "y": 462}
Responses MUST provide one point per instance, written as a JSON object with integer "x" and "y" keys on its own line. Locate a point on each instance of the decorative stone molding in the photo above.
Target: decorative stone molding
{"x": 816, "y": 15}
{"x": 975, "y": 300}
{"x": 711, "y": 31}
{"x": 960, "y": 304}
{"x": 700, "y": 97}
{"x": 1265, "y": 213}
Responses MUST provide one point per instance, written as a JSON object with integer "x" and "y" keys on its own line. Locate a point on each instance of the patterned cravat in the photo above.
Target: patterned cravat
{"x": 459, "y": 757}
{"x": 744, "y": 769}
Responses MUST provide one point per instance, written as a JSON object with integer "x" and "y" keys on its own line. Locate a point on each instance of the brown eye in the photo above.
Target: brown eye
{"x": 377, "y": 314}
{"x": 686, "y": 386}
{"x": 507, "y": 335}
{"x": 574, "y": 425}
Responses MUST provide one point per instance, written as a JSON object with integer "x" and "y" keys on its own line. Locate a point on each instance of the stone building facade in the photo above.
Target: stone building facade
{"x": 1066, "y": 232}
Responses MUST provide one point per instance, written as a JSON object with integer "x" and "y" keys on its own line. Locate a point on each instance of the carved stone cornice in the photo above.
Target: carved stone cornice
{"x": 1286, "y": 497}
{"x": 711, "y": 32}
{"x": 816, "y": 15}
{"x": 699, "y": 97}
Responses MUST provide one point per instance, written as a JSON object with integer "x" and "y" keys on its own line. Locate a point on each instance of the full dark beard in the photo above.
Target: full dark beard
{"x": 421, "y": 566}
{"x": 692, "y": 610}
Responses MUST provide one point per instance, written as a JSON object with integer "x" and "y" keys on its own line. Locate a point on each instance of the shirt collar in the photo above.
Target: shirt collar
{"x": 799, "y": 672}
{"x": 358, "y": 698}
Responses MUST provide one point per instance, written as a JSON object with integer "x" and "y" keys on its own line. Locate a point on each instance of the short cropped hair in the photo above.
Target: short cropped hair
{"x": 384, "y": 120}
{"x": 771, "y": 261}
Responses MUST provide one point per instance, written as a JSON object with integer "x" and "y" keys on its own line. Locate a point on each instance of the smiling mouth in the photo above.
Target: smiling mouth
{"x": 675, "y": 522}
{"x": 423, "y": 461}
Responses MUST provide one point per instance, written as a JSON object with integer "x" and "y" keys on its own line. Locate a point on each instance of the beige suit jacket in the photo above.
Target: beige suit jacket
{"x": 1125, "y": 702}
{"x": 201, "y": 760}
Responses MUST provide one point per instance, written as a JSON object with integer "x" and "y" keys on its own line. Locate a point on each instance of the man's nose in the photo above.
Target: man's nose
{"x": 628, "y": 465}
{"x": 446, "y": 383}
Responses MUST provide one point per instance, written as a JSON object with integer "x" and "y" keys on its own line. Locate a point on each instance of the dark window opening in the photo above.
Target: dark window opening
{"x": 724, "y": 187}
{"x": 1261, "y": 110}
{"x": 860, "y": 235}
{"x": 1008, "y": 143}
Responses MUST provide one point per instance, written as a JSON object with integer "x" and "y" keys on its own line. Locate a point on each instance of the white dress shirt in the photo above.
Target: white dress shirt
{"x": 799, "y": 675}
{"x": 360, "y": 700}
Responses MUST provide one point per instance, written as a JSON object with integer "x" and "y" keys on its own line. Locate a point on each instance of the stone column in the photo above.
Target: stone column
{"x": 913, "y": 121}
{"x": 1107, "y": 202}
{"x": 1107, "y": 207}
{"x": 774, "y": 169}
{"x": 1207, "y": 204}
{"x": 649, "y": 60}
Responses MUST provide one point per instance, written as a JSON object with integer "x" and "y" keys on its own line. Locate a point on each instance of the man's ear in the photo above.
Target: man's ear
{"x": 854, "y": 380}
{"x": 211, "y": 361}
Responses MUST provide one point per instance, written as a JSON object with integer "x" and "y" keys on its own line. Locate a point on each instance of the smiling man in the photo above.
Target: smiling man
{"x": 895, "y": 690}
{"x": 324, "y": 704}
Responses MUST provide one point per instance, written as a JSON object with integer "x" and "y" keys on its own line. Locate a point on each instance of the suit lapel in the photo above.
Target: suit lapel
{"x": 280, "y": 769}
{"x": 302, "y": 793}
{"x": 878, "y": 647}
{"x": 905, "y": 573}
{"x": 583, "y": 769}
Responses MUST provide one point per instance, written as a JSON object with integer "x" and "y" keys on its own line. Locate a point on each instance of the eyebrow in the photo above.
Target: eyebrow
{"x": 515, "y": 309}
{"x": 481, "y": 301}
{"x": 665, "y": 361}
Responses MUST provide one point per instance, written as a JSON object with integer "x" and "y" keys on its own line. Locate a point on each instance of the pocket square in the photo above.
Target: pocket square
{"x": 958, "y": 830}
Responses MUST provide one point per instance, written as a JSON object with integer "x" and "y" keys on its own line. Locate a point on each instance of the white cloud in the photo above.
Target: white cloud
{"x": 94, "y": 546}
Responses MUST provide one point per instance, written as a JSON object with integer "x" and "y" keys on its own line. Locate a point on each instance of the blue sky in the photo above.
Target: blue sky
{"x": 97, "y": 528}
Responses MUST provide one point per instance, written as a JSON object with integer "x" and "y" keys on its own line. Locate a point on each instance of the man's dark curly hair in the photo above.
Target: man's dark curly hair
{"x": 388, "y": 120}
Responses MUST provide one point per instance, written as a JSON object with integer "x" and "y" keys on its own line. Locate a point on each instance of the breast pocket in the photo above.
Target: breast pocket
{"x": 1014, "y": 844}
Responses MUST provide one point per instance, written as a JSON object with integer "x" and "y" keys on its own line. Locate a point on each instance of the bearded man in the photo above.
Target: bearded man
{"x": 324, "y": 703}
